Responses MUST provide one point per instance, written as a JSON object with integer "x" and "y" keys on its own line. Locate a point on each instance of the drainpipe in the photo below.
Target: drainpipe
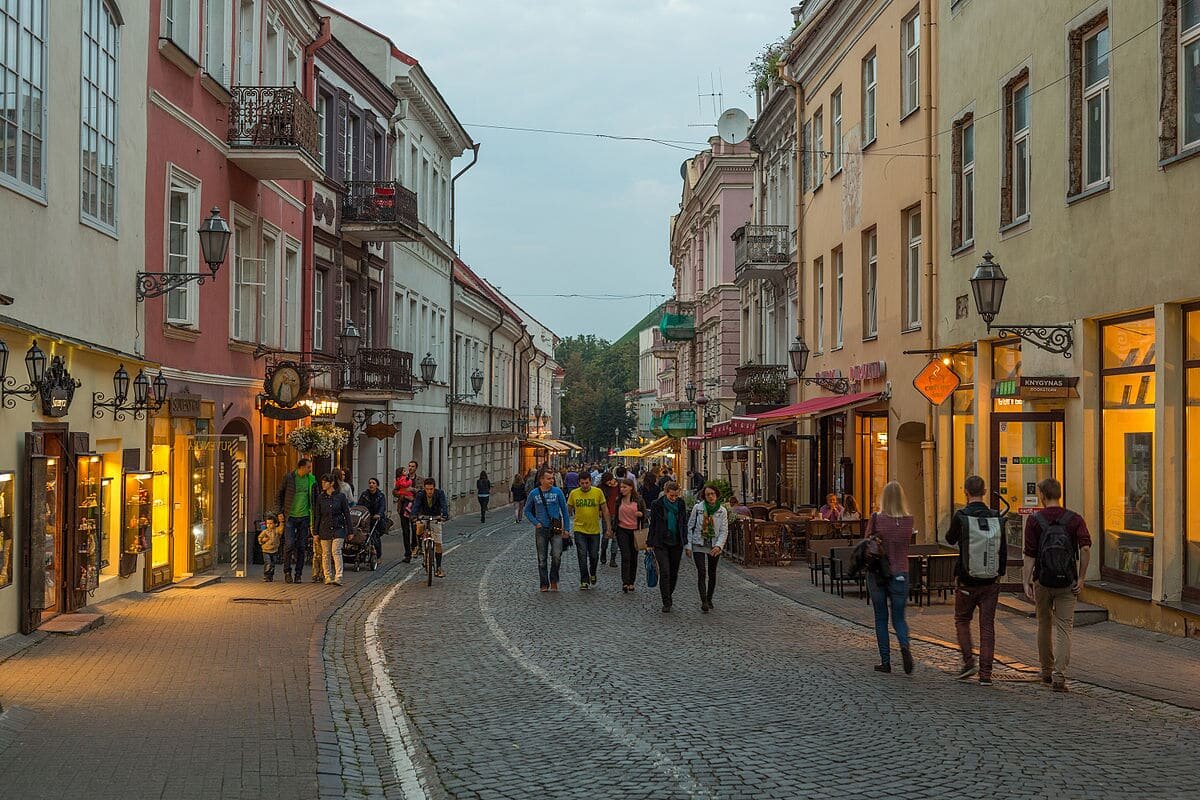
{"x": 309, "y": 268}
{"x": 492, "y": 366}
{"x": 798, "y": 171}
{"x": 928, "y": 467}
{"x": 453, "y": 354}
{"x": 453, "y": 193}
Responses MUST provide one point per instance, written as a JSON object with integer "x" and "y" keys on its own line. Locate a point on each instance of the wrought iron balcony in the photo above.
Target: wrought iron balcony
{"x": 273, "y": 133}
{"x": 661, "y": 348}
{"x": 761, "y": 385}
{"x": 378, "y": 370}
{"x": 761, "y": 252}
{"x": 380, "y": 211}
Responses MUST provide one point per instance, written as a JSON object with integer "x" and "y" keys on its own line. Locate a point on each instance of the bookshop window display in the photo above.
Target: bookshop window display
{"x": 1192, "y": 446}
{"x": 1127, "y": 447}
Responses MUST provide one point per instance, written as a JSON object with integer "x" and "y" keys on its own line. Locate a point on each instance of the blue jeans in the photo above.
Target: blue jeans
{"x": 895, "y": 595}
{"x": 587, "y": 547}
{"x": 295, "y": 545}
{"x": 269, "y": 564}
{"x": 549, "y": 547}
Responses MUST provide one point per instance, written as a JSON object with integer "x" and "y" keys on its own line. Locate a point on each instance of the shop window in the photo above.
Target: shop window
{"x": 1006, "y": 367}
{"x": 1127, "y": 447}
{"x": 1192, "y": 445}
{"x": 872, "y": 460}
{"x": 7, "y": 500}
{"x": 962, "y": 410}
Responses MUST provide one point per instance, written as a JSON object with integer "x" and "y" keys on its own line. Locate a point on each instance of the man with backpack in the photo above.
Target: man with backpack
{"x": 982, "y": 555}
{"x": 1057, "y": 550}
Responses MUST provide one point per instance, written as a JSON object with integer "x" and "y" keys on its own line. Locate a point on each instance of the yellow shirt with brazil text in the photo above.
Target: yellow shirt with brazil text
{"x": 587, "y": 507}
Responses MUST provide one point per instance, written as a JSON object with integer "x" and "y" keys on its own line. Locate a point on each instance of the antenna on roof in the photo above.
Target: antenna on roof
{"x": 716, "y": 99}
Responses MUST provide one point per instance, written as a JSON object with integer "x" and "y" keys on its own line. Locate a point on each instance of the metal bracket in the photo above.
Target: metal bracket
{"x": 835, "y": 385}
{"x": 156, "y": 284}
{"x": 9, "y": 391}
{"x": 362, "y": 417}
{"x": 1058, "y": 339}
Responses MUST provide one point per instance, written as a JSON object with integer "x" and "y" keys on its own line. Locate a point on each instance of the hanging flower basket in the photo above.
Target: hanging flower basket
{"x": 318, "y": 440}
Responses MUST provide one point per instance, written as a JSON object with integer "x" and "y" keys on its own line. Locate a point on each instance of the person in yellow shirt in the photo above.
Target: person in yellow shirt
{"x": 588, "y": 509}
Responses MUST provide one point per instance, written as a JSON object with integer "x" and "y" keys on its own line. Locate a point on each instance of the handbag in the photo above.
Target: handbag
{"x": 556, "y": 525}
{"x": 651, "y": 570}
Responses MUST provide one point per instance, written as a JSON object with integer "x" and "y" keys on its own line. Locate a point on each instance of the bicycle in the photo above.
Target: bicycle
{"x": 428, "y": 545}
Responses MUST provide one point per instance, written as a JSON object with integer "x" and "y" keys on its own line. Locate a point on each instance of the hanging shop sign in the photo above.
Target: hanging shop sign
{"x": 936, "y": 382}
{"x": 871, "y": 371}
{"x": 184, "y": 404}
{"x": 1037, "y": 388}
{"x": 733, "y": 427}
{"x": 381, "y": 430}
{"x": 272, "y": 411}
{"x": 286, "y": 383}
{"x": 57, "y": 389}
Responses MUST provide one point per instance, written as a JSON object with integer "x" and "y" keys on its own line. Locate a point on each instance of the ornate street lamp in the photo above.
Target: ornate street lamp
{"x": 121, "y": 384}
{"x": 160, "y": 389}
{"x": 476, "y": 386}
{"x": 9, "y": 390}
{"x": 987, "y": 285}
{"x": 690, "y": 392}
{"x": 476, "y": 381}
{"x": 35, "y": 364}
{"x": 147, "y": 396}
{"x": 214, "y": 237}
{"x": 428, "y": 369}
{"x": 798, "y": 353}
{"x": 350, "y": 340}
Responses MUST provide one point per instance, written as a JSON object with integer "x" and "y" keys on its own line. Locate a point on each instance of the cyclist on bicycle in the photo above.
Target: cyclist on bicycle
{"x": 431, "y": 502}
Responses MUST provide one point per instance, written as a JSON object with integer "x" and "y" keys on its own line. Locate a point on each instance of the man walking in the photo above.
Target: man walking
{"x": 1057, "y": 551}
{"x": 546, "y": 509}
{"x": 295, "y": 502}
{"x": 982, "y": 555}
{"x": 590, "y": 508}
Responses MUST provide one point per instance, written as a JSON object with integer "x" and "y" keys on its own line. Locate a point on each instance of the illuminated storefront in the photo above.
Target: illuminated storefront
{"x": 1191, "y": 576}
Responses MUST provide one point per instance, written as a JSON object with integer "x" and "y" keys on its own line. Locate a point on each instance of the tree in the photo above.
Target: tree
{"x": 597, "y": 376}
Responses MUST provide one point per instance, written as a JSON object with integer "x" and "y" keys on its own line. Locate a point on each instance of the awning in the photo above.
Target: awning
{"x": 630, "y": 452}
{"x": 656, "y": 447}
{"x": 818, "y": 406}
{"x": 569, "y": 445}
{"x": 551, "y": 445}
{"x": 735, "y": 426}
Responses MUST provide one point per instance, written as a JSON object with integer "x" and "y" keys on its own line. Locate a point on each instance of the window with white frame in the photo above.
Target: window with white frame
{"x": 268, "y": 296}
{"x": 177, "y": 24}
{"x": 819, "y": 303}
{"x": 183, "y": 220}
{"x": 912, "y": 268}
{"x": 397, "y": 320}
{"x": 350, "y": 142}
{"x": 839, "y": 297}
{"x": 869, "y": 77}
{"x": 808, "y": 156}
{"x": 248, "y": 284}
{"x": 1095, "y": 106}
{"x": 910, "y": 66}
{"x": 967, "y": 185}
{"x": 246, "y": 40}
{"x": 835, "y": 130}
{"x": 272, "y": 63}
{"x": 290, "y": 335}
{"x": 870, "y": 283}
{"x": 23, "y": 95}
{"x": 369, "y": 333}
{"x": 1019, "y": 149}
{"x": 322, "y": 121}
{"x": 1189, "y": 72}
{"x": 318, "y": 310}
{"x": 217, "y": 39}
{"x": 818, "y": 148}
{"x": 98, "y": 116}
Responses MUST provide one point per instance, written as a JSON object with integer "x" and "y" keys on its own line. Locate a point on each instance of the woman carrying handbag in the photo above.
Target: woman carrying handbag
{"x": 708, "y": 529}
{"x": 894, "y": 527}
{"x": 627, "y": 521}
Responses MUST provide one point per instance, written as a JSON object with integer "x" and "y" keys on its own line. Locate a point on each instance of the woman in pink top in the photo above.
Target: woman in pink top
{"x": 629, "y": 517}
{"x": 894, "y": 526}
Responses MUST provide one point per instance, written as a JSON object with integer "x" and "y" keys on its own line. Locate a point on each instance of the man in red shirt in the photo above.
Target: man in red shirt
{"x": 1057, "y": 551}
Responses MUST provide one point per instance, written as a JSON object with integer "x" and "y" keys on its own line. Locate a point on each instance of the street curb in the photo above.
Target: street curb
{"x": 1098, "y": 690}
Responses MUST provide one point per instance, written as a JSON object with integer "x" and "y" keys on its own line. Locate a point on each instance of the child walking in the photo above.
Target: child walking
{"x": 269, "y": 539}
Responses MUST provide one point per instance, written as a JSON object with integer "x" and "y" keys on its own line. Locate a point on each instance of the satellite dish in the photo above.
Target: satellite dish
{"x": 733, "y": 126}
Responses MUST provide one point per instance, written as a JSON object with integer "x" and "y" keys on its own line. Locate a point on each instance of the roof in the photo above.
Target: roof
{"x": 397, "y": 53}
{"x": 648, "y": 321}
{"x": 465, "y": 276}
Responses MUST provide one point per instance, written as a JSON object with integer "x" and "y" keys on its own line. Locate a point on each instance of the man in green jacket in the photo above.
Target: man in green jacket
{"x": 295, "y": 503}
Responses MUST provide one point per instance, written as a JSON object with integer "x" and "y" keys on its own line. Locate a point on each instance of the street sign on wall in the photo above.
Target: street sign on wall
{"x": 936, "y": 382}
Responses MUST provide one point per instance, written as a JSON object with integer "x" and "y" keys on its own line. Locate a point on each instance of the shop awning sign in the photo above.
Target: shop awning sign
{"x": 1037, "y": 388}
{"x": 936, "y": 382}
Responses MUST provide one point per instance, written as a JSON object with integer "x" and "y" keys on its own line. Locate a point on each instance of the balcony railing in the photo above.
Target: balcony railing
{"x": 379, "y": 370}
{"x": 661, "y": 348}
{"x": 761, "y": 252}
{"x": 380, "y": 211}
{"x": 273, "y": 133}
{"x": 761, "y": 384}
{"x": 676, "y": 327}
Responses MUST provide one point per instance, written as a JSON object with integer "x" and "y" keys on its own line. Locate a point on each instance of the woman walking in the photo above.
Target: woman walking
{"x": 516, "y": 493}
{"x": 333, "y": 515}
{"x": 483, "y": 492}
{"x": 668, "y": 534}
{"x": 402, "y": 491}
{"x": 612, "y": 492}
{"x": 708, "y": 528}
{"x": 629, "y": 516}
{"x": 650, "y": 487}
{"x": 894, "y": 526}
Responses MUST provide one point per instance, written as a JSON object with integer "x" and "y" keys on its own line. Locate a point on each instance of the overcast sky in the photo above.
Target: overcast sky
{"x": 545, "y": 214}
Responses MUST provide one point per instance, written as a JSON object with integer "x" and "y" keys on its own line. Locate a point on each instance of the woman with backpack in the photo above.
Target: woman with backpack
{"x": 629, "y": 517}
{"x": 516, "y": 493}
{"x": 707, "y": 530}
{"x": 483, "y": 493}
{"x": 889, "y": 589}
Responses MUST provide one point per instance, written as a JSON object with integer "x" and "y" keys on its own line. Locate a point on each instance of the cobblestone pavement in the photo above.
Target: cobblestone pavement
{"x": 508, "y": 693}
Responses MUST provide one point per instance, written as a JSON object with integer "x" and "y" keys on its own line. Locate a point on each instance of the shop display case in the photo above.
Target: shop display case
{"x": 89, "y": 521}
{"x": 137, "y": 498}
{"x": 7, "y": 499}
{"x": 200, "y": 507}
{"x": 45, "y": 533}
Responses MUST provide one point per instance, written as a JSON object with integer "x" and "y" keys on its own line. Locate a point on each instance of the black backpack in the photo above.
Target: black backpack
{"x": 1056, "y": 552}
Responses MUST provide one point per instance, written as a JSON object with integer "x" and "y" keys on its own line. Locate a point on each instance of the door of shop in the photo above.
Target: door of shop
{"x": 1025, "y": 447}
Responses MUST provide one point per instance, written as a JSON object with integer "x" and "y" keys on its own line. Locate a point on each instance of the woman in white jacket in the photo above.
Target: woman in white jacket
{"x": 708, "y": 528}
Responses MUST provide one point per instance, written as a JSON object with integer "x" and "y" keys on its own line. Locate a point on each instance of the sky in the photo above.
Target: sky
{"x": 542, "y": 214}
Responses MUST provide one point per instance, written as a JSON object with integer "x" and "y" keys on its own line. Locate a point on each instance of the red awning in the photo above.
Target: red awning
{"x": 732, "y": 427}
{"x": 818, "y": 405}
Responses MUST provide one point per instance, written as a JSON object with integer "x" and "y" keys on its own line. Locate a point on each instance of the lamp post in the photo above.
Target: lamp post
{"x": 349, "y": 340}
{"x": 798, "y": 353}
{"x": 148, "y": 396}
{"x": 35, "y": 365}
{"x": 214, "y": 234}
{"x": 428, "y": 369}
{"x": 690, "y": 392}
{"x": 987, "y": 285}
{"x": 476, "y": 386}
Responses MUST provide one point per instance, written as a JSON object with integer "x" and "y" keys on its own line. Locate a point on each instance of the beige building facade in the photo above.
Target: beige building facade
{"x": 1069, "y": 154}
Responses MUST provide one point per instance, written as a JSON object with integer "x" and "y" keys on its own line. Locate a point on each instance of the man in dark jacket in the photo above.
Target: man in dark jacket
{"x": 431, "y": 502}
{"x": 294, "y": 502}
{"x": 978, "y": 580}
{"x": 666, "y": 539}
{"x": 376, "y": 503}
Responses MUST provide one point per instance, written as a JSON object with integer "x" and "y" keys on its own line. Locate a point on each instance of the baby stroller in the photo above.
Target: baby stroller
{"x": 359, "y": 548}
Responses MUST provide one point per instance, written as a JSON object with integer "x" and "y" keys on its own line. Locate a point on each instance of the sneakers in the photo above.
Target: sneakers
{"x": 315, "y": 578}
{"x": 1059, "y": 685}
{"x": 883, "y": 667}
{"x": 906, "y": 657}
{"x": 441, "y": 573}
{"x": 408, "y": 559}
{"x": 1046, "y": 679}
{"x": 967, "y": 671}
{"x": 985, "y": 680}
{"x": 287, "y": 577}
{"x": 584, "y": 585}
{"x": 592, "y": 580}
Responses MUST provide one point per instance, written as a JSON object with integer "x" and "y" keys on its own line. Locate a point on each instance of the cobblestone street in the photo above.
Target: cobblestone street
{"x": 482, "y": 687}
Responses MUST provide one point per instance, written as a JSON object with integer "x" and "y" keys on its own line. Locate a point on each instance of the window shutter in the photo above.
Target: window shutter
{"x": 339, "y": 134}
{"x": 368, "y": 129}
{"x": 359, "y": 146}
